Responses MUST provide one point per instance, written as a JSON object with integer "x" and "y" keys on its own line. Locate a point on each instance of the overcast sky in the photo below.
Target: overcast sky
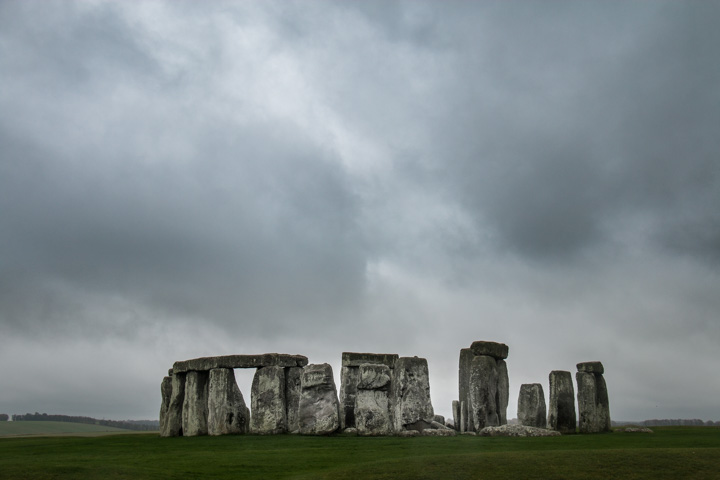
{"x": 184, "y": 179}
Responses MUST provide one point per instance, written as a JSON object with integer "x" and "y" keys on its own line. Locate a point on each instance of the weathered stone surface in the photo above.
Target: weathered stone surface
{"x": 635, "y": 430}
{"x": 503, "y": 392}
{"x": 593, "y": 407}
{"x": 372, "y": 413}
{"x": 456, "y": 414}
{"x": 591, "y": 367}
{"x": 466, "y": 356}
{"x": 170, "y": 372}
{"x": 496, "y": 350}
{"x": 439, "y": 419}
{"x": 483, "y": 393}
{"x": 350, "y": 431}
{"x": 195, "y": 405}
{"x": 349, "y": 377}
{"x": 227, "y": 412}
{"x": 293, "y": 389}
{"x": 354, "y": 359}
{"x": 173, "y": 426}
{"x": 444, "y": 432}
{"x": 267, "y": 399}
{"x": 240, "y": 361}
{"x": 517, "y": 431}
{"x": 374, "y": 377}
{"x": 439, "y": 425}
{"x": 166, "y": 393}
{"x": 408, "y": 433}
{"x": 319, "y": 408}
{"x": 561, "y": 413}
{"x": 410, "y": 393}
{"x": 531, "y": 405}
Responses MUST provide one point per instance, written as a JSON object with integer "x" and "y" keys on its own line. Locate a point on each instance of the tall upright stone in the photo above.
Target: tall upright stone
{"x": 227, "y": 412}
{"x": 372, "y": 401}
{"x": 166, "y": 393}
{"x": 483, "y": 393}
{"x": 293, "y": 389}
{"x": 173, "y": 426}
{"x": 195, "y": 406}
{"x": 592, "y": 396}
{"x": 531, "y": 406}
{"x": 466, "y": 356}
{"x": 503, "y": 391}
{"x": 319, "y": 408}
{"x": 561, "y": 413}
{"x": 410, "y": 395}
{"x": 268, "y": 402}
{"x": 483, "y": 404}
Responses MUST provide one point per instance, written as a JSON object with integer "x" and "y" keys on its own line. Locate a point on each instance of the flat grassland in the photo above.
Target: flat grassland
{"x": 55, "y": 428}
{"x": 671, "y": 452}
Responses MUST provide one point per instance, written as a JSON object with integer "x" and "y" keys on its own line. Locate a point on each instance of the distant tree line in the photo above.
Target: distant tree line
{"x": 4, "y": 417}
{"x": 695, "y": 422}
{"x": 142, "y": 425}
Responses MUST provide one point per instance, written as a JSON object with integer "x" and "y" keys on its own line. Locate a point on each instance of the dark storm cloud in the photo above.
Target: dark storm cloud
{"x": 180, "y": 179}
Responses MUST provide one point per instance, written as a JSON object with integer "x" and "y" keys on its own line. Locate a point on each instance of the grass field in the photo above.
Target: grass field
{"x": 54, "y": 428}
{"x": 671, "y": 452}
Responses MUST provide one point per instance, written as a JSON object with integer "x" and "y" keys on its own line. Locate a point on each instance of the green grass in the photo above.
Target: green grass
{"x": 671, "y": 452}
{"x": 53, "y": 428}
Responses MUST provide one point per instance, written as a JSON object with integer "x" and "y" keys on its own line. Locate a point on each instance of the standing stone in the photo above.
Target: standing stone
{"x": 166, "y": 392}
{"x": 195, "y": 406}
{"x": 503, "y": 391}
{"x": 593, "y": 404}
{"x": 466, "y": 356}
{"x": 483, "y": 393}
{"x": 531, "y": 406}
{"x": 372, "y": 402}
{"x": 267, "y": 399}
{"x": 319, "y": 408}
{"x": 173, "y": 424}
{"x": 227, "y": 412}
{"x": 349, "y": 377}
{"x": 561, "y": 414}
{"x": 293, "y": 389}
{"x": 456, "y": 414}
{"x": 410, "y": 395}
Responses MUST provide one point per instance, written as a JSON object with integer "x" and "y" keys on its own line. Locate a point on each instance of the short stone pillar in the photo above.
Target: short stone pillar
{"x": 267, "y": 399}
{"x": 483, "y": 386}
{"x": 410, "y": 395}
{"x": 319, "y": 408}
{"x": 372, "y": 400}
{"x": 561, "y": 413}
{"x": 531, "y": 405}
{"x": 592, "y": 395}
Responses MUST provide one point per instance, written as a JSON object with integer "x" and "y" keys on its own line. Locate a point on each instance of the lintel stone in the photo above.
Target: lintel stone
{"x": 353, "y": 359}
{"x": 240, "y": 361}
{"x": 492, "y": 349}
{"x": 591, "y": 367}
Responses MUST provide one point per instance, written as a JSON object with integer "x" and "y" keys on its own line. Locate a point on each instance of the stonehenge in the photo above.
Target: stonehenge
{"x": 380, "y": 394}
